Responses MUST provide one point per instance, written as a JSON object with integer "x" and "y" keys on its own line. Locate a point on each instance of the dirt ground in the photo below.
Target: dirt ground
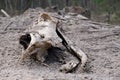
{"x": 100, "y": 41}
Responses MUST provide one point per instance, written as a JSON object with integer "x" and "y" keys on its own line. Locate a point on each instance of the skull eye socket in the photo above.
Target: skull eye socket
{"x": 25, "y": 40}
{"x": 42, "y": 36}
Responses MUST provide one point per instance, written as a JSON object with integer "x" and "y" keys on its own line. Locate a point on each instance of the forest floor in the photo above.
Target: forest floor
{"x": 100, "y": 42}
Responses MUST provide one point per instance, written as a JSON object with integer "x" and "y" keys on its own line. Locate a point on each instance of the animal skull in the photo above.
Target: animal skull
{"x": 45, "y": 33}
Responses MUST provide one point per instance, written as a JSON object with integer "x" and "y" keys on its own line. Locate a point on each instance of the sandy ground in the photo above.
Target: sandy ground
{"x": 100, "y": 41}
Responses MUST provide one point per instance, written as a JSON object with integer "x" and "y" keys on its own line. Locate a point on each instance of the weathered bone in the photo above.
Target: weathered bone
{"x": 47, "y": 36}
{"x": 43, "y": 36}
{"x": 73, "y": 49}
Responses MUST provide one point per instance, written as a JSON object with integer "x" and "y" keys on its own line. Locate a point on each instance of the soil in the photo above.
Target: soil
{"x": 100, "y": 42}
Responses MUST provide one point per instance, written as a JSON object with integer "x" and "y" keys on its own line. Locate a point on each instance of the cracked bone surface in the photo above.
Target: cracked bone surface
{"x": 45, "y": 33}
